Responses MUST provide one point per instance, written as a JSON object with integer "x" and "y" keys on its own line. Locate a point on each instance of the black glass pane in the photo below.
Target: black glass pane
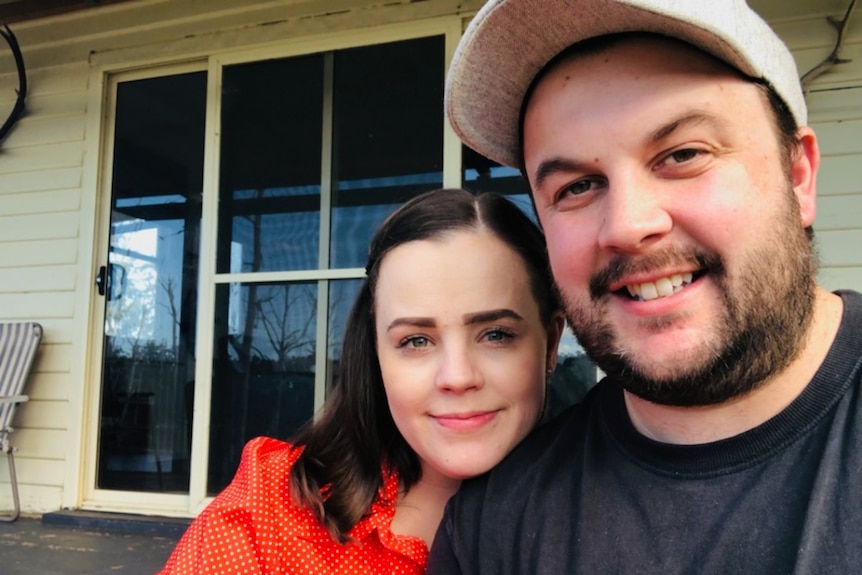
{"x": 388, "y": 137}
{"x": 269, "y": 199}
{"x": 342, "y": 294}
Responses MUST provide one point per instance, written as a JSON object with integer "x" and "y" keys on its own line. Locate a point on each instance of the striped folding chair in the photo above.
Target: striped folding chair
{"x": 18, "y": 344}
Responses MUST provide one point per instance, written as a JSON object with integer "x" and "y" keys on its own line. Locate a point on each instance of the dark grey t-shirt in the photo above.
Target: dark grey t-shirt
{"x": 588, "y": 494}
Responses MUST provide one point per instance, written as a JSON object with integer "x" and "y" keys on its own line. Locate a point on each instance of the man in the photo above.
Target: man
{"x": 667, "y": 152}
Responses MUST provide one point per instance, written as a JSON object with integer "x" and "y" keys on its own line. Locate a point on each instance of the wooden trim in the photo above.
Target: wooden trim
{"x": 13, "y": 11}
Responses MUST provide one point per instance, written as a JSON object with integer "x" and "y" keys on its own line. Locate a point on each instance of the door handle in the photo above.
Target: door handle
{"x": 111, "y": 280}
{"x": 102, "y": 280}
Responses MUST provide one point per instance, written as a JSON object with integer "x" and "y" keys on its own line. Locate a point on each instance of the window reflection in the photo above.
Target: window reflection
{"x": 263, "y": 368}
{"x": 271, "y": 137}
{"x": 386, "y": 146}
{"x": 342, "y": 294}
{"x": 387, "y": 137}
{"x": 150, "y": 284}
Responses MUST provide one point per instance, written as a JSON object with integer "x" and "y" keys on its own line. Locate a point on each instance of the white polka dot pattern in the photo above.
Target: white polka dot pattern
{"x": 253, "y": 527}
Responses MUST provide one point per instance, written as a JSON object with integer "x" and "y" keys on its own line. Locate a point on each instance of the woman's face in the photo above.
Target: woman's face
{"x": 462, "y": 350}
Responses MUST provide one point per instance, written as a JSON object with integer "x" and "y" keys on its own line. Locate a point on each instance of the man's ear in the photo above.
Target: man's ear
{"x": 803, "y": 174}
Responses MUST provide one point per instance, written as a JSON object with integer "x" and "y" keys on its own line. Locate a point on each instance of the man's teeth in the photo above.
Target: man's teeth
{"x": 660, "y": 288}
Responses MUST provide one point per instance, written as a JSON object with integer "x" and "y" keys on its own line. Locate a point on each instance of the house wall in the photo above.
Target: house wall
{"x": 50, "y": 166}
{"x": 835, "y": 113}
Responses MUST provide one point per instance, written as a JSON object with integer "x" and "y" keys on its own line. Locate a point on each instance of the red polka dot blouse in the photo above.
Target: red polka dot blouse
{"x": 254, "y": 527}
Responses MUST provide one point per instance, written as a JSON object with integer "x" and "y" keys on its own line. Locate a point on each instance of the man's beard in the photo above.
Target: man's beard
{"x": 766, "y": 316}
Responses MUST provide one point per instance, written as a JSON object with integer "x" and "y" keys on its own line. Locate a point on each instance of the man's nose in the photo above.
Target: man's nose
{"x": 634, "y": 215}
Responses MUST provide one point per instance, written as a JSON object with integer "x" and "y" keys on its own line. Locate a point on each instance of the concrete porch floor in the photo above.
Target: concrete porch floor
{"x": 79, "y": 543}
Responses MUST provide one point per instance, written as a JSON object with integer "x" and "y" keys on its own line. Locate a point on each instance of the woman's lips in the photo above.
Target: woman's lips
{"x": 465, "y": 421}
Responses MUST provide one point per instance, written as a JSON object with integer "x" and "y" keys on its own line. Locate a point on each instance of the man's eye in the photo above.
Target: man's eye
{"x": 579, "y": 187}
{"x": 680, "y": 156}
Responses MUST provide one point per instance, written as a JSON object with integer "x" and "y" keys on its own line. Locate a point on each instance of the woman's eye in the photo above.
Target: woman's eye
{"x": 416, "y": 341}
{"x": 498, "y": 335}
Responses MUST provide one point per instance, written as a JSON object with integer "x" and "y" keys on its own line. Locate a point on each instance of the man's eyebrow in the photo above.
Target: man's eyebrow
{"x": 692, "y": 118}
{"x": 491, "y": 315}
{"x": 554, "y": 165}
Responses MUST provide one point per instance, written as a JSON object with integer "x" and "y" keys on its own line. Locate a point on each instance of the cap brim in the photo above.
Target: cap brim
{"x": 509, "y": 42}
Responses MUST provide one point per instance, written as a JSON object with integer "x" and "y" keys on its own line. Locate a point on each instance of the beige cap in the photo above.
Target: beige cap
{"x": 510, "y": 41}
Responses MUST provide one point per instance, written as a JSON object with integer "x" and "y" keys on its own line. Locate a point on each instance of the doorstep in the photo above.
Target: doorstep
{"x": 117, "y": 522}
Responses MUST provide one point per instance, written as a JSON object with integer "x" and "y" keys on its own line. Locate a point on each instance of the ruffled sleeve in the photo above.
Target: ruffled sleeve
{"x": 238, "y": 532}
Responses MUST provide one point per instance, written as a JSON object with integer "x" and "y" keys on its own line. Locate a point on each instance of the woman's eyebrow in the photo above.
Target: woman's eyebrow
{"x": 469, "y": 319}
{"x": 491, "y": 315}
{"x": 411, "y": 321}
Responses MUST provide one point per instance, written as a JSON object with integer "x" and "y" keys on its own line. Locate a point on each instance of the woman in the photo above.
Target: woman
{"x": 446, "y": 354}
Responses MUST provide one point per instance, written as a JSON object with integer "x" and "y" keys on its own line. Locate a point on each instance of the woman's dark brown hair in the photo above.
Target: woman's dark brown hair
{"x": 338, "y": 474}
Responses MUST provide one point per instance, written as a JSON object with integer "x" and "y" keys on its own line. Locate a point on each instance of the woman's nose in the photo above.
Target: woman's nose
{"x": 458, "y": 371}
